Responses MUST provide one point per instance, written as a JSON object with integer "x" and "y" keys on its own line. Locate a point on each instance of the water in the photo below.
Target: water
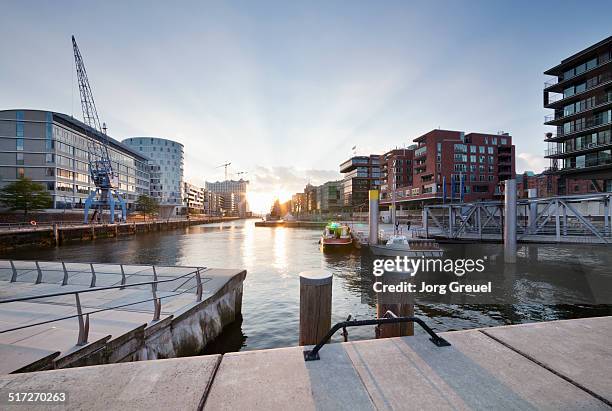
{"x": 273, "y": 258}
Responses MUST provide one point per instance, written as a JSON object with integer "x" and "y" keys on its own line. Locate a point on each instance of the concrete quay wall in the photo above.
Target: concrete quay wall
{"x": 57, "y": 235}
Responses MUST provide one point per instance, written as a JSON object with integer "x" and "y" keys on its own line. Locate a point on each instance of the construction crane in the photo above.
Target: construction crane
{"x": 100, "y": 165}
{"x": 241, "y": 173}
{"x": 224, "y": 165}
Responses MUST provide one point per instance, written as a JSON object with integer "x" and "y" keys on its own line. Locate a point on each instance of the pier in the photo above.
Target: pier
{"x": 575, "y": 219}
{"x": 52, "y": 234}
{"x": 292, "y": 224}
{"x": 57, "y": 315}
{"x": 553, "y": 365}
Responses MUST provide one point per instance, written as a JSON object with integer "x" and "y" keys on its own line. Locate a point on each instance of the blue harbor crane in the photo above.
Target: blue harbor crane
{"x": 100, "y": 164}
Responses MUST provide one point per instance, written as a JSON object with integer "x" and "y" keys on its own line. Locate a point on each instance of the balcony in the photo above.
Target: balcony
{"x": 552, "y": 82}
{"x": 562, "y": 150}
{"x": 552, "y": 137}
{"x": 606, "y": 78}
{"x": 600, "y": 102}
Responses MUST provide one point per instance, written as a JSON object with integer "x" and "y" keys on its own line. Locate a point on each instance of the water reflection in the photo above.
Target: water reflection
{"x": 275, "y": 256}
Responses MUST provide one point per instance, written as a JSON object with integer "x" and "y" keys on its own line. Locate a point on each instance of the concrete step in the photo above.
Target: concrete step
{"x": 176, "y": 384}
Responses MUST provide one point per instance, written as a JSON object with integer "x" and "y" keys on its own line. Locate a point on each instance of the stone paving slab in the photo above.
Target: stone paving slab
{"x": 280, "y": 379}
{"x": 176, "y": 384}
{"x": 579, "y": 350}
{"x": 476, "y": 372}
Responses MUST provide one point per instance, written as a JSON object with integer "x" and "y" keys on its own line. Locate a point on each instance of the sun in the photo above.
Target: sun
{"x": 261, "y": 202}
{"x": 282, "y": 195}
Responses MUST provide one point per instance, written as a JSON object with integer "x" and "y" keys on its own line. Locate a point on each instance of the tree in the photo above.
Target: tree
{"x": 275, "y": 211}
{"x": 24, "y": 194}
{"x": 146, "y": 204}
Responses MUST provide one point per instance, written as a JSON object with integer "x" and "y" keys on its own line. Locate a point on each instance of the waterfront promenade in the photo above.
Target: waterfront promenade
{"x": 123, "y": 324}
{"x": 49, "y": 234}
{"x": 551, "y": 365}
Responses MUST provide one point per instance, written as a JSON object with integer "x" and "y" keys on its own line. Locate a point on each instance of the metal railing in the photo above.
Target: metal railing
{"x": 35, "y": 224}
{"x": 388, "y": 318}
{"x": 544, "y": 218}
{"x": 83, "y": 318}
{"x": 563, "y": 149}
{"x": 603, "y": 80}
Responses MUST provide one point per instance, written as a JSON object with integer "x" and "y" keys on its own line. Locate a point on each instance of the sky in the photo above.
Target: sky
{"x": 284, "y": 90}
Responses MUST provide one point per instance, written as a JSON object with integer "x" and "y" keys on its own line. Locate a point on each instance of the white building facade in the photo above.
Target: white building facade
{"x": 167, "y": 156}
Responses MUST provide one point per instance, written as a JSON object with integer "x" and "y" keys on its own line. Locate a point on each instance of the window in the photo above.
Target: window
{"x": 20, "y": 172}
{"x": 49, "y": 172}
{"x": 491, "y": 159}
{"x": 504, "y": 141}
{"x": 472, "y": 149}
{"x": 490, "y": 150}
{"x": 19, "y": 159}
{"x": 494, "y": 141}
{"x": 460, "y": 148}
{"x": 472, "y": 158}
{"x": 19, "y": 145}
{"x": 19, "y": 124}
{"x": 49, "y": 132}
{"x": 481, "y": 149}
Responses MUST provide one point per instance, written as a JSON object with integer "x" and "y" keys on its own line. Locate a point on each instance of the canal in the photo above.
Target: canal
{"x": 273, "y": 258}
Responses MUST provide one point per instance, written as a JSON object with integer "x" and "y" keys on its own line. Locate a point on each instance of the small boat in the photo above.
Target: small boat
{"x": 400, "y": 245}
{"x": 336, "y": 237}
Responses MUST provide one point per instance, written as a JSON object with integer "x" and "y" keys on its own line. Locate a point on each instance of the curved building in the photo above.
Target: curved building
{"x": 166, "y": 170}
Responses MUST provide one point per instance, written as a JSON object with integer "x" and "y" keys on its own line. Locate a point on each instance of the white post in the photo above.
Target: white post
{"x": 451, "y": 219}
{"x": 510, "y": 221}
{"x": 557, "y": 222}
{"x": 564, "y": 220}
{"x": 533, "y": 209}
{"x": 373, "y": 214}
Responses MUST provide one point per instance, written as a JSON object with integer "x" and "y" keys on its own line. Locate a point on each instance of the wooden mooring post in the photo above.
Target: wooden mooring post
{"x": 399, "y": 304}
{"x": 315, "y": 305}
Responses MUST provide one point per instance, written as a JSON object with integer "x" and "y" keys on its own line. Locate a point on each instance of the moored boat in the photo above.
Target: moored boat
{"x": 336, "y": 236}
{"x": 400, "y": 245}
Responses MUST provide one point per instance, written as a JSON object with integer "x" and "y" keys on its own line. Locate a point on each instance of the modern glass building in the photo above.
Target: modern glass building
{"x": 166, "y": 158}
{"x": 52, "y": 149}
{"x": 361, "y": 174}
{"x": 233, "y": 194}
{"x": 580, "y": 94}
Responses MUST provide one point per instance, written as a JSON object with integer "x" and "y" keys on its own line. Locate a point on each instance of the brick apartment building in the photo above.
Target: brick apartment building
{"x": 547, "y": 185}
{"x": 448, "y": 166}
{"x": 396, "y": 170}
{"x": 581, "y": 96}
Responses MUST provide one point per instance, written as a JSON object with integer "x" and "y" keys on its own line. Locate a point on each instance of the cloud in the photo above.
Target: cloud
{"x": 288, "y": 178}
{"x": 530, "y": 162}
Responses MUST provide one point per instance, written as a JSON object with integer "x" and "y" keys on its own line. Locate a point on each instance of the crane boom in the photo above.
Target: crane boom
{"x": 100, "y": 164}
{"x": 90, "y": 113}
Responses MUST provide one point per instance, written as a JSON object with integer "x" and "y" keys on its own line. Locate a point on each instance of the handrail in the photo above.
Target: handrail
{"x": 389, "y": 318}
{"x": 84, "y": 317}
{"x": 94, "y": 289}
